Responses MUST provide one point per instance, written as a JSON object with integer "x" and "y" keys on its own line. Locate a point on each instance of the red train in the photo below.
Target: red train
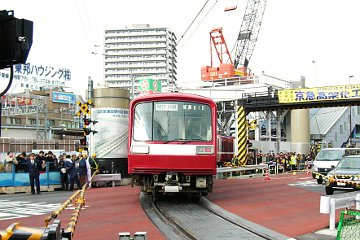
{"x": 172, "y": 143}
{"x": 225, "y": 146}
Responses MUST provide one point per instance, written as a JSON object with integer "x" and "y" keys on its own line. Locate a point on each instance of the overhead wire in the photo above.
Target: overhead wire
{"x": 202, "y": 8}
{"x": 202, "y": 20}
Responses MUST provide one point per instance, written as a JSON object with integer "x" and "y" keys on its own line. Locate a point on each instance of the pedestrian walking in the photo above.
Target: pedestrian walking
{"x": 34, "y": 168}
{"x": 10, "y": 160}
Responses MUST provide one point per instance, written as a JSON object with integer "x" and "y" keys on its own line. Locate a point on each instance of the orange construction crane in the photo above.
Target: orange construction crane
{"x": 226, "y": 68}
{"x": 245, "y": 45}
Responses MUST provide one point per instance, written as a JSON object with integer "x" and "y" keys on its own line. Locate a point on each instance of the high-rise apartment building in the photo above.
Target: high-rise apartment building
{"x": 137, "y": 52}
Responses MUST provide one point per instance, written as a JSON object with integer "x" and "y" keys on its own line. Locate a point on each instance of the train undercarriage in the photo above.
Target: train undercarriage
{"x": 169, "y": 183}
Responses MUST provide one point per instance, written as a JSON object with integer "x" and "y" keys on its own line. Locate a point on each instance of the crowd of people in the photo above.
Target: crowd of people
{"x": 289, "y": 160}
{"x": 72, "y": 168}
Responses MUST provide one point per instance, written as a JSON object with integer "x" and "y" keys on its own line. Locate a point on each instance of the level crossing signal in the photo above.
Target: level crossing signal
{"x": 87, "y": 129}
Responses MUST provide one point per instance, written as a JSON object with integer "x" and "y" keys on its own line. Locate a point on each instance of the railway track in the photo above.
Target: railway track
{"x": 201, "y": 220}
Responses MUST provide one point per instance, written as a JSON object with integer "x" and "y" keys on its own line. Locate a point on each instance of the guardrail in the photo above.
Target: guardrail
{"x": 239, "y": 169}
{"x": 329, "y": 204}
{"x": 107, "y": 178}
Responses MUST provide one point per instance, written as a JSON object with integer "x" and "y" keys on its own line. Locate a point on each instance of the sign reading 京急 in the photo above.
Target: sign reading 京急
{"x": 319, "y": 94}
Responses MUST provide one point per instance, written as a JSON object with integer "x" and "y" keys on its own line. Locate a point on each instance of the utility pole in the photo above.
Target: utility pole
{"x": 350, "y": 108}
{"x": 132, "y": 84}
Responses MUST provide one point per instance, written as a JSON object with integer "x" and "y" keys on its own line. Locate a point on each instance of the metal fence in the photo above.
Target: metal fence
{"x": 349, "y": 225}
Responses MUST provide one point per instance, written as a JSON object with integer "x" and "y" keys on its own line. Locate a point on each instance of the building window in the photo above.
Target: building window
{"x": 50, "y": 123}
{"x": 341, "y": 129}
{"x": 32, "y": 121}
{"x": 15, "y": 120}
{"x": 358, "y": 110}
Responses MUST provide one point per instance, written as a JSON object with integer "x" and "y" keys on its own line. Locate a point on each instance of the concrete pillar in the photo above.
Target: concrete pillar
{"x": 300, "y": 131}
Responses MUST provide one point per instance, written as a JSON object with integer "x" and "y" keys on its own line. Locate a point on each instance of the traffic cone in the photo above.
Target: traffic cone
{"x": 267, "y": 174}
{"x": 307, "y": 170}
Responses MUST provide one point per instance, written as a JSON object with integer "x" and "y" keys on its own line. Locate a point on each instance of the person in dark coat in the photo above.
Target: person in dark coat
{"x": 83, "y": 170}
{"x": 52, "y": 160}
{"x": 22, "y": 163}
{"x": 72, "y": 168}
{"x": 64, "y": 172}
{"x": 34, "y": 168}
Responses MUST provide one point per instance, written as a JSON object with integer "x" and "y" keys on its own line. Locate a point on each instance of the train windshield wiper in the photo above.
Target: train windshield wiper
{"x": 176, "y": 140}
{"x": 183, "y": 141}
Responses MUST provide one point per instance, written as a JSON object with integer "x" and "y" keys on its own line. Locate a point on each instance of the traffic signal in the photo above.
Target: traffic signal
{"x": 88, "y": 121}
{"x": 87, "y": 131}
{"x": 16, "y": 39}
{"x": 83, "y": 141}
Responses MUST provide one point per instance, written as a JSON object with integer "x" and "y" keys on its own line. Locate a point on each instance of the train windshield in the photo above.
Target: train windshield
{"x": 172, "y": 121}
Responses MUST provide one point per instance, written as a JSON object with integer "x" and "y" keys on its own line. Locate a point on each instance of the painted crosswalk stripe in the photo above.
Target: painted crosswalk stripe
{"x": 20, "y": 209}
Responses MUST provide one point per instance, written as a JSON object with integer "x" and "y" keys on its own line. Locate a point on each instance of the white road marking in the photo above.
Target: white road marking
{"x": 20, "y": 209}
{"x": 309, "y": 183}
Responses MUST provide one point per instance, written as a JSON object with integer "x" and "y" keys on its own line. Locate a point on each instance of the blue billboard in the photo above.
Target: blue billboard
{"x": 62, "y": 97}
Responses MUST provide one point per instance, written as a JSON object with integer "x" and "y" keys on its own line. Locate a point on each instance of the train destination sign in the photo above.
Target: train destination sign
{"x": 319, "y": 94}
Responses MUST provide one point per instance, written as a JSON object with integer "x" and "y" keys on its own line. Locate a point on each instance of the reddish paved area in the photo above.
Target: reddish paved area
{"x": 289, "y": 210}
{"x": 110, "y": 211}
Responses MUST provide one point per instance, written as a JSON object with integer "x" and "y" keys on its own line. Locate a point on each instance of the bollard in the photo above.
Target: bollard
{"x": 124, "y": 236}
{"x": 140, "y": 236}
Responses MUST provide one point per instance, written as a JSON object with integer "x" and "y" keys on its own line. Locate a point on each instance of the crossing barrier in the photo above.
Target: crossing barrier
{"x": 51, "y": 232}
{"x": 79, "y": 203}
{"x": 230, "y": 170}
{"x": 16, "y": 231}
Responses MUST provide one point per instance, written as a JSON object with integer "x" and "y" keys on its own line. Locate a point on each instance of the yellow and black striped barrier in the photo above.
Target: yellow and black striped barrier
{"x": 79, "y": 203}
{"x": 52, "y": 232}
{"x": 16, "y": 231}
{"x": 241, "y": 156}
{"x": 58, "y": 211}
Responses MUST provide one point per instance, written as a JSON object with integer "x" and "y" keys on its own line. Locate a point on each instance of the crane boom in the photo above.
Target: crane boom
{"x": 249, "y": 32}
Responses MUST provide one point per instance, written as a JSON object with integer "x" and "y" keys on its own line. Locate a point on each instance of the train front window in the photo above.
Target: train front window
{"x": 172, "y": 121}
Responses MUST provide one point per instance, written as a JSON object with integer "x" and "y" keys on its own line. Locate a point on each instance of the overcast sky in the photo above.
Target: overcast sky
{"x": 318, "y": 39}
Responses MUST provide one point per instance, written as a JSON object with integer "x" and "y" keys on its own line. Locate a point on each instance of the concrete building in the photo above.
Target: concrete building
{"x": 139, "y": 51}
{"x": 42, "y": 115}
{"x": 332, "y": 125}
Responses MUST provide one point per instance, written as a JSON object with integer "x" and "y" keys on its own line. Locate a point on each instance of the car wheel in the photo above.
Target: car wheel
{"x": 319, "y": 181}
{"x": 329, "y": 190}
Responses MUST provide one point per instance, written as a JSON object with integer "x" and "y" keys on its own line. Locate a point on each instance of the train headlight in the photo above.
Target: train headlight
{"x": 204, "y": 150}
{"x": 143, "y": 149}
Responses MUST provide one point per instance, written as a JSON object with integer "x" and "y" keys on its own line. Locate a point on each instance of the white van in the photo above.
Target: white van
{"x": 328, "y": 158}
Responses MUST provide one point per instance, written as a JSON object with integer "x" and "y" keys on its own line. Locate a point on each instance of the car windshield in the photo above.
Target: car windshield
{"x": 349, "y": 163}
{"x": 330, "y": 155}
{"x": 171, "y": 121}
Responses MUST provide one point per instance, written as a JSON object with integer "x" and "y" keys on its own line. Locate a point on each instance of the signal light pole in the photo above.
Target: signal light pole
{"x": 350, "y": 108}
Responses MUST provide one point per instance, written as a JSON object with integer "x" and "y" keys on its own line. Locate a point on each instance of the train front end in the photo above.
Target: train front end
{"x": 172, "y": 143}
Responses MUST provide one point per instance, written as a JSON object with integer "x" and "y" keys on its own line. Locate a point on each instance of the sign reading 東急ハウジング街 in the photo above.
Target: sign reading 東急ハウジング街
{"x": 340, "y": 92}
